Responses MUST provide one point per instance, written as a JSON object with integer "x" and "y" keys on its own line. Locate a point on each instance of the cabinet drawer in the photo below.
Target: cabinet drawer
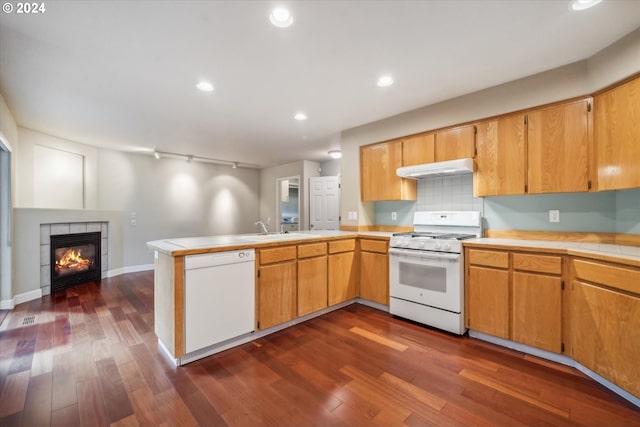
{"x": 489, "y": 258}
{"x": 312, "y": 249}
{"x": 285, "y": 253}
{"x": 538, "y": 263}
{"x": 342, "y": 246}
{"x": 379, "y": 246}
{"x": 615, "y": 277}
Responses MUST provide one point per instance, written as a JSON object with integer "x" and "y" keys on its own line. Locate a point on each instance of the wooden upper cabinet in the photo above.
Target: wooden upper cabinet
{"x": 378, "y": 179}
{"x": 617, "y": 136}
{"x": 418, "y": 149}
{"x": 558, "y": 148}
{"x": 501, "y": 157}
{"x": 455, "y": 143}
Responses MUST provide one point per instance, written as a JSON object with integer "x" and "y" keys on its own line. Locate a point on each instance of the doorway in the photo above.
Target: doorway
{"x": 324, "y": 203}
{"x": 6, "y": 297}
{"x": 288, "y": 204}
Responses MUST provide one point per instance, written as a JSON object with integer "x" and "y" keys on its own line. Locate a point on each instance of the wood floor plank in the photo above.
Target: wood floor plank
{"x": 37, "y": 408}
{"x": 512, "y": 392}
{"x": 379, "y": 339}
{"x": 114, "y": 394}
{"x": 66, "y": 417}
{"x": 14, "y": 393}
{"x": 91, "y": 409}
{"x": 154, "y": 376}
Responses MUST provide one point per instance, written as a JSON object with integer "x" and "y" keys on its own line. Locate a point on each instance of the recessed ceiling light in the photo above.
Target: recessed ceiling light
{"x": 300, "y": 116}
{"x": 336, "y": 154}
{"x": 583, "y": 4}
{"x": 205, "y": 86}
{"x": 385, "y": 81}
{"x": 281, "y": 17}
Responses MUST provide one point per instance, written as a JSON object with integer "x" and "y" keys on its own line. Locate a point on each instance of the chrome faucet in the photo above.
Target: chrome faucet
{"x": 265, "y": 227}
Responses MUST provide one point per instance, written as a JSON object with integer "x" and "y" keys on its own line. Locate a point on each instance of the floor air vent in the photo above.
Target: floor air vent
{"x": 29, "y": 320}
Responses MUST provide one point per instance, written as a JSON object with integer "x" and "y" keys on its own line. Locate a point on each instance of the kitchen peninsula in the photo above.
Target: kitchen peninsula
{"x": 297, "y": 276}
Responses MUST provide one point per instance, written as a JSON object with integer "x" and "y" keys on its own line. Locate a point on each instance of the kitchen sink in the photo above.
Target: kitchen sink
{"x": 276, "y": 237}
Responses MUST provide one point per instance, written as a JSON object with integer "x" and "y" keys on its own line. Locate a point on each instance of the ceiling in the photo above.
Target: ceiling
{"x": 122, "y": 74}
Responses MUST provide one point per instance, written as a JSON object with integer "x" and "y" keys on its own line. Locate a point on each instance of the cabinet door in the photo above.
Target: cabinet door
{"x": 312, "y": 284}
{"x": 605, "y": 329}
{"x": 374, "y": 277}
{"x": 617, "y": 132}
{"x": 342, "y": 277}
{"x": 455, "y": 143}
{"x": 276, "y": 294}
{"x": 489, "y": 301}
{"x": 558, "y": 148}
{"x": 537, "y": 311}
{"x": 418, "y": 149}
{"x": 500, "y": 159}
{"x": 378, "y": 178}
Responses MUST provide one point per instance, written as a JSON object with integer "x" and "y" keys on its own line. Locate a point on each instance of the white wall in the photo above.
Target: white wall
{"x": 26, "y": 150}
{"x": 616, "y": 62}
{"x": 8, "y": 140}
{"x": 174, "y": 198}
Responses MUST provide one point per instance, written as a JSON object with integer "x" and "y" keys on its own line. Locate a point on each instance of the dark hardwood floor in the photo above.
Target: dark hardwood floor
{"x": 90, "y": 358}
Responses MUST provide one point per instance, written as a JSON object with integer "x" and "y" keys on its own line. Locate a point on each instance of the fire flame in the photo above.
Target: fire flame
{"x": 72, "y": 260}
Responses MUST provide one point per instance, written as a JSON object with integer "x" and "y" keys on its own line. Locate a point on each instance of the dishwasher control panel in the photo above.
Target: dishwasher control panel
{"x": 219, "y": 258}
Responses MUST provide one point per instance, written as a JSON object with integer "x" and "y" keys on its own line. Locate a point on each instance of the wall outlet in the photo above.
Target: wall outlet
{"x": 353, "y": 215}
{"x": 554, "y": 215}
{"x": 133, "y": 222}
{"x": 394, "y": 216}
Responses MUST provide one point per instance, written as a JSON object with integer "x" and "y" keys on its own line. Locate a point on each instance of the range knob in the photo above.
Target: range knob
{"x": 446, "y": 247}
{"x": 241, "y": 255}
{"x": 436, "y": 246}
{"x": 421, "y": 245}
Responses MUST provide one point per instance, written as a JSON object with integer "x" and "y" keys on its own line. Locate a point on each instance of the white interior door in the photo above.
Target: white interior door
{"x": 324, "y": 203}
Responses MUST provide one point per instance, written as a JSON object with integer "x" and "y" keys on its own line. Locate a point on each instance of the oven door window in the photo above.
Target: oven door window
{"x": 426, "y": 277}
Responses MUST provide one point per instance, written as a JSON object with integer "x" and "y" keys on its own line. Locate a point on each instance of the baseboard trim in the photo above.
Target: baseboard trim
{"x": 558, "y": 358}
{"x": 129, "y": 269}
{"x": 9, "y": 304}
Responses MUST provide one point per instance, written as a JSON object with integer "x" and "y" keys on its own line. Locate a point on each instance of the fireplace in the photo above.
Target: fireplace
{"x": 75, "y": 259}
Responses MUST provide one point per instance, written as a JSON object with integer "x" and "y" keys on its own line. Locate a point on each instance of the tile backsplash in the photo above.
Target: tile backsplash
{"x": 448, "y": 193}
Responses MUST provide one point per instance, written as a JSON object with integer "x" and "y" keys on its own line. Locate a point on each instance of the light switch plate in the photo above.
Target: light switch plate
{"x": 554, "y": 215}
{"x": 394, "y": 216}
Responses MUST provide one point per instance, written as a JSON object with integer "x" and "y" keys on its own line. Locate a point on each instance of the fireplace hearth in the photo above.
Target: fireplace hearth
{"x": 75, "y": 259}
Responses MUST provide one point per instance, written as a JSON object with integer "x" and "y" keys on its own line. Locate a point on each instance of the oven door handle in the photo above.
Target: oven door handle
{"x": 423, "y": 254}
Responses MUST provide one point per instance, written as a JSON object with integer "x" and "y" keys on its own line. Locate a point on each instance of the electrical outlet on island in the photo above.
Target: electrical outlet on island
{"x": 554, "y": 215}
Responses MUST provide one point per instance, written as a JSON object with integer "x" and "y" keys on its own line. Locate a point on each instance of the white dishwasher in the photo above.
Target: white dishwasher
{"x": 219, "y": 300}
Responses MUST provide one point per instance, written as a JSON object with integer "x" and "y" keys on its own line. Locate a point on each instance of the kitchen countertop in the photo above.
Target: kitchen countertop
{"x": 230, "y": 242}
{"x": 601, "y": 251}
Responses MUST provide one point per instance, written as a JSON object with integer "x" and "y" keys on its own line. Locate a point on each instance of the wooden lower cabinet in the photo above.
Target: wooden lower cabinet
{"x": 537, "y": 311}
{"x": 374, "y": 277}
{"x": 488, "y": 301}
{"x": 342, "y": 277}
{"x": 516, "y": 296}
{"x": 312, "y": 284}
{"x": 605, "y": 321}
{"x": 276, "y": 286}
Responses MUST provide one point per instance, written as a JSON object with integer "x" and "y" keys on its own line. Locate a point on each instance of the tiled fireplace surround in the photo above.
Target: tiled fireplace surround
{"x": 48, "y": 230}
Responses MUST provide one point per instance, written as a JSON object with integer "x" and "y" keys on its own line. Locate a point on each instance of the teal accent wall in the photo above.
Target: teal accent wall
{"x": 404, "y": 210}
{"x": 603, "y": 212}
{"x": 628, "y": 211}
